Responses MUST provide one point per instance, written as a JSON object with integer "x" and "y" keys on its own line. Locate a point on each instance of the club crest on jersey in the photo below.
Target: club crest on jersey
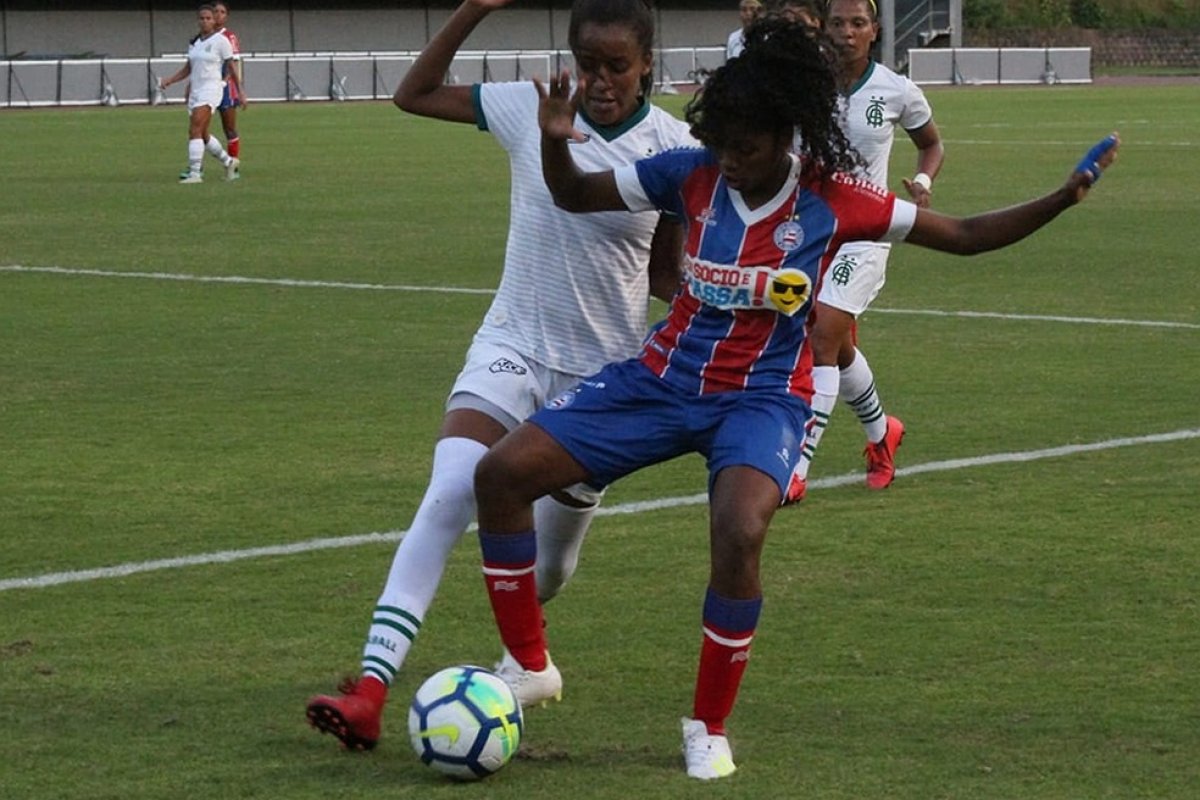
{"x": 874, "y": 113}
{"x": 505, "y": 365}
{"x": 707, "y": 217}
{"x": 790, "y": 289}
{"x": 789, "y": 236}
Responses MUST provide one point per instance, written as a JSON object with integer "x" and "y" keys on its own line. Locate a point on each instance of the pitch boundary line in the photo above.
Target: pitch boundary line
{"x": 311, "y": 545}
{"x": 314, "y": 284}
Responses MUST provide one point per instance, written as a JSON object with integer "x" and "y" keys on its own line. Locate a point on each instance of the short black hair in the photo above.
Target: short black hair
{"x": 637, "y": 15}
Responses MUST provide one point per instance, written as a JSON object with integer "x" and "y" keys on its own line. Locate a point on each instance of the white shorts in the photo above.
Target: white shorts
{"x": 855, "y": 277}
{"x": 209, "y": 97}
{"x": 500, "y": 382}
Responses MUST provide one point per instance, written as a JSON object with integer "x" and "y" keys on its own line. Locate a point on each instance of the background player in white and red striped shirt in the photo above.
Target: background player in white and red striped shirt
{"x": 233, "y": 98}
{"x": 728, "y": 374}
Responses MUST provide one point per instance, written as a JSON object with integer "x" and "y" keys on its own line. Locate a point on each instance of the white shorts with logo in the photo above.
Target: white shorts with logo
{"x": 507, "y": 380}
{"x": 855, "y": 276}
{"x": 500, "y": 382}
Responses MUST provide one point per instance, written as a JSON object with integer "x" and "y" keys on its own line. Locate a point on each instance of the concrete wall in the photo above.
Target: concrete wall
{"x": 155, "y": 27}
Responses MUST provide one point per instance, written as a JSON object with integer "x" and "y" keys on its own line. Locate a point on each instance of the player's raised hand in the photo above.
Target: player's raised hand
{"x": 1092, "y": 166}
{"x": 556, "y": 111}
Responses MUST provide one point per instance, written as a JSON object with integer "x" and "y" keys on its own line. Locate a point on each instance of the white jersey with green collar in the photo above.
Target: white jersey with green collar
{"x": 575, "y": 287}
{"x": 873, "y": 107}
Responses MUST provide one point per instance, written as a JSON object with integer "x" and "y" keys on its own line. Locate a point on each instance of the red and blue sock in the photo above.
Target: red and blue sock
{"x": 508, "y": 561}
{"x": 728, "y": 632}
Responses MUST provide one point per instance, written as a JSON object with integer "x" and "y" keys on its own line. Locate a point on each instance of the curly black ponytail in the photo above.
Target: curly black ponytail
{"x": 784, "y": 80}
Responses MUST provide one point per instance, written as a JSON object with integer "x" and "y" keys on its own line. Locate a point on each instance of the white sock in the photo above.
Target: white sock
{"x": 825, "y": 394}
{"x": 445, "y": 511}
{"x": 858, "y": 391}
{"x": 195, "y": 155}
{"x": 560, "y": 533}
{"x": 213, "y": 146}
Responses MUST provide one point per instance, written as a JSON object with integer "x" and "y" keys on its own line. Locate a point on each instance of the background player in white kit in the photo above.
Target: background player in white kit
{"x": 208, "y": 54}
{"x": 748, "y": 12}
{"x": 572, "y": 297}
{"x": 875, "y": 102}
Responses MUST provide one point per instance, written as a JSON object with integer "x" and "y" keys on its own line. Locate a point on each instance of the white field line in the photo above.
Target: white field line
{"x": 226, "y": 556}
{"x": 235, "y": 279}
{"x": 1185, "y": 144}
{"x": 933, "y": 312}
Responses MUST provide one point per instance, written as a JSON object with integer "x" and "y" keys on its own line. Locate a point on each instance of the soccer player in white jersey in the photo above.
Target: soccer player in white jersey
{"x": 875, "y": 101}
{"x": 573, "y": 295}
{"x": 209, "y": 53}
{"x": 748, "y": 11}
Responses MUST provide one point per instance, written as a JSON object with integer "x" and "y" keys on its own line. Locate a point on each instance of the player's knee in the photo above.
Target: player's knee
{"x": 489, "y": 477}
{"x": 826, "y": 343}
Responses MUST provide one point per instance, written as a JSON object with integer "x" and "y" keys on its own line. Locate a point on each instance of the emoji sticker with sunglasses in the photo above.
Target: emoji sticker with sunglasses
{"x": 790, "y": 289}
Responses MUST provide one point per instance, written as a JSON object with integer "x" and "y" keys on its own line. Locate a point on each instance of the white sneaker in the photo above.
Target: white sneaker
{"x": 192, "y": 177}
{"x": 707, "y": 756}
{"x": 531, "y": 688}
{"x": 231, "y": 169}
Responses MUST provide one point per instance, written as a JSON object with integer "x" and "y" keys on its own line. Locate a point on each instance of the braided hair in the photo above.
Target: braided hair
{"x": 783, "y": 81}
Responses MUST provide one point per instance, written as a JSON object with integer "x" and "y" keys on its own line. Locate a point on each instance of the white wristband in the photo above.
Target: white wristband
{"x": 924, "y": 181}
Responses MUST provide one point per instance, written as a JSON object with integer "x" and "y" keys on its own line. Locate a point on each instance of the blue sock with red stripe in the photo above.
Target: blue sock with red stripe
{"x": 728, "y": 632}
{"x": 508, "y": 561}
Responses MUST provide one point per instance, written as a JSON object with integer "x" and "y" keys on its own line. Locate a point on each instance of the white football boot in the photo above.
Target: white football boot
{"x": 707, "y": 756}
{"x": 531, "y": 688}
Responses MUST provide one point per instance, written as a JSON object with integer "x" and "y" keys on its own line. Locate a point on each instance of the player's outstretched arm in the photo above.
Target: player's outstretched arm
{"x": 572, "y": 188}
{"x": 996, "y": 229}
{"x": 423, "y": 90}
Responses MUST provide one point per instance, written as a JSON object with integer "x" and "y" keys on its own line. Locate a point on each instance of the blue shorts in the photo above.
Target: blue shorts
{"x": 229, "y": 99}
{"x": 624, "y": 418}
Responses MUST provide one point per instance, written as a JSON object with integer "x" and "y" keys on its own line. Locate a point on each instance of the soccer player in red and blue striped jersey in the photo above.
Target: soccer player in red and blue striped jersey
{"x": 233, "y": 98}
{"x": 728, "y": 373}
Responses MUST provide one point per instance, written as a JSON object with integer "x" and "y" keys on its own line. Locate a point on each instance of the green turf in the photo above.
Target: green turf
{"x": 1014, "y": 630}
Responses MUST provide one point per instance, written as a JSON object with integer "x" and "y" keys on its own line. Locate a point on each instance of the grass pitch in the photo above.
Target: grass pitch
{"x": 227, "y": 368}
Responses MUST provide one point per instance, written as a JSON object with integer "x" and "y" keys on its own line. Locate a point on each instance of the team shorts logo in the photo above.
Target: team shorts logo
{"x": 789, "y": 236}
{"x": 841, "y": 272}
{"x": 562, "y": 401}
{"x": 790, "y": 289}
{"x": 505, "y": 365}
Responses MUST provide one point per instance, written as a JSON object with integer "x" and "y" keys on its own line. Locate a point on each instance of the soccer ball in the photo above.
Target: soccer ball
{"x": 465, "y": 722}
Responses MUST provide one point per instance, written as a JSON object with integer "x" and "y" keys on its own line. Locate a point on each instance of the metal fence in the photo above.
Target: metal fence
{"x": 1001, "y": 65}
{"x": 279, "y": 77}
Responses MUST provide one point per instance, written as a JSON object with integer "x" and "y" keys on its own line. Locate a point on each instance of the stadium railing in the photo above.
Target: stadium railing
{"x": 282, "y": 77}
{"x": 1000, "y": 65}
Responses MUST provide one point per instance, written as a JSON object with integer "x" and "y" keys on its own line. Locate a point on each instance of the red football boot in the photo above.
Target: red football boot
{"x": 881, "y": 456}
{"x": 354, "y": 715}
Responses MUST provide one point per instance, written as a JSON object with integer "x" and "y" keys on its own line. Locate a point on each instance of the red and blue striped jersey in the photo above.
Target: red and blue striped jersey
{"x": 739, "y": 321}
